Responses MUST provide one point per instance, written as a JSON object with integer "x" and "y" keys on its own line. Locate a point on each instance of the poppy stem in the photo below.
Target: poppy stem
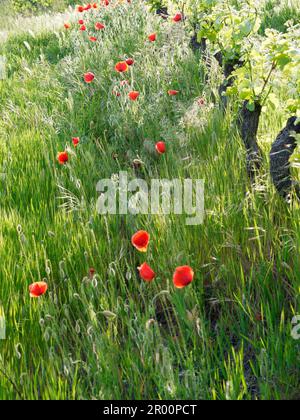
{"x": 3, "y": 372}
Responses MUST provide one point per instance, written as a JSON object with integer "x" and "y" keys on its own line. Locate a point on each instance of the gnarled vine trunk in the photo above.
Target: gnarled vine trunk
{"x": 229, "y": 68}
{"x": 163, "y": 12}
{"x": 248, "y": 126}
{"x": 281, "y": 152}
{"x": 219, "y": 57}
{"x": 198, "y": 46}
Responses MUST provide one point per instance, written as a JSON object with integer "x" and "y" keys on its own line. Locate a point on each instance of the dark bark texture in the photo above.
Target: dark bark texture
{"x": 198, "y": 46}
{"x": 281, "y": 152}
{"x": 163, "y": 12}
{"x": 229, "y": 80}
{"x": 248, "y": 126}
{"x": 219, "y": 57}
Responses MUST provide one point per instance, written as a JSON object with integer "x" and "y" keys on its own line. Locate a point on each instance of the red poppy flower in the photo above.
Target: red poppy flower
{"x": 140, "y": 240}
{"x": 92, "y": 272}
{"x": 121, "y": 67}
{"x": 80, "y": 9}
{"x": 38, "y": 289}
{"x": 177, "y": 17}
{"x": 152, "y": 37}
{"x": 130, "y": 61}
{"x": 88, "y": 6}
{"x": 89, "y": 77}
{"x": 105, "y": 2}
{"x": 95, "y": 6}
{"x": 133, "y": 95}
{"x": 75, "y": 141}
{"x": 62, "y": 157}
{"x": 160, "y": 147}
{"x": 146, "y": 272}
{"x": 67, "y": 25}
{"x": 99, "y": 26}
{"x": 93, "y": 38}
{"x": 173, "y": 92}
{"x": 82, "y": 28}
{"x": 81, "y": 21}
{"x": 183, "y": 276}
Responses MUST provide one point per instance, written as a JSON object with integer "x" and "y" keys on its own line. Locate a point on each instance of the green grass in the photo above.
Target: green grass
{"x": 206, "y": 341}
{"x": 278, "y": 12}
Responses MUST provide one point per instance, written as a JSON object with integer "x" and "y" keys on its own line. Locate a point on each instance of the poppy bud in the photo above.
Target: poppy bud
{"x": 160, "y": 147}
